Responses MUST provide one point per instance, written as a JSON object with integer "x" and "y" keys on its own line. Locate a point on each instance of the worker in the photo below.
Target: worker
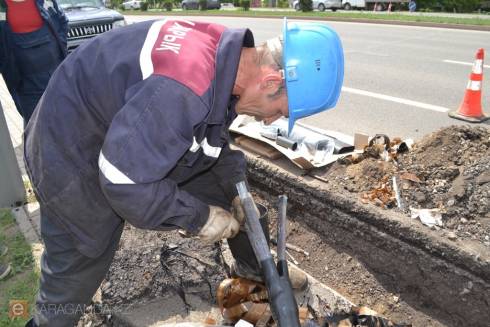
{"x": 133, "y": 127}
{"x": 412, "y": 6}
{"x": 33, "y": 44}
{"x": 4, "y": 268}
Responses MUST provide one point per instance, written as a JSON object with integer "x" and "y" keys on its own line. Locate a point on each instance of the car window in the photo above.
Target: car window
{"x": 72, "y": 4}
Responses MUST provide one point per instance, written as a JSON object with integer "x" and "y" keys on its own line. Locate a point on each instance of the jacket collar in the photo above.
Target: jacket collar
{"x": 227, "y": 59}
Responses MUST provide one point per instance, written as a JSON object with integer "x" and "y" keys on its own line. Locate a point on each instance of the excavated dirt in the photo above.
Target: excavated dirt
{"x": 335, "y": 267}
{"x": 150, "y": 265}
{"x": 406, "y": 273}
{"x": 448, "y": 169}
{"x": 373, "y": 252}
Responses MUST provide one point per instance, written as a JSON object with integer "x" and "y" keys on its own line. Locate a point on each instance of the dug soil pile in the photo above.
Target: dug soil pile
{"x": 151, "y": 265}
{"x": 374, "y": 260}
{"x": 447, "y": 170}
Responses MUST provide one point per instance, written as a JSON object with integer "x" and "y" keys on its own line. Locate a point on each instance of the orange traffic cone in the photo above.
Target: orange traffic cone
{"x": 471, "y": 110}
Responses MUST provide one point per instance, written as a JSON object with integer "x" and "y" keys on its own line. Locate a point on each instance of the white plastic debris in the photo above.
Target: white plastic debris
{"x": 428, "y": 217}
{"x": 243, "y": 323}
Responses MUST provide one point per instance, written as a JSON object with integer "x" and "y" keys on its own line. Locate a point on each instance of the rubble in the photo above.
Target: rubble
{"x": 428, "y": 217}
{"x": 447, "y": 170}
{"x": 150, "y": 265}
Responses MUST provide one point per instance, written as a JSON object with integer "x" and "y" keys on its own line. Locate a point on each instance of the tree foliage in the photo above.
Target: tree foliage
{"x": 449, "y": 5}
{"x": 306, "y": 5}
{"x": 245, "y": 4}
{"x": 203, "y": 5}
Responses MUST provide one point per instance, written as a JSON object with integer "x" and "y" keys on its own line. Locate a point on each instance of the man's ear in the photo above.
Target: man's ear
{"x": 271, "y": 82}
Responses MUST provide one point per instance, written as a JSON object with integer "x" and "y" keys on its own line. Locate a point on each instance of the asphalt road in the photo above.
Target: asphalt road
{"x": 399, "y": 80}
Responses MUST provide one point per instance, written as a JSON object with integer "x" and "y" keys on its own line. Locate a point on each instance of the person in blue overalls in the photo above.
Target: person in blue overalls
{"x": 412, "y": 6}
{"x": 33, "y": 44}
{"x": 133, "y": 127}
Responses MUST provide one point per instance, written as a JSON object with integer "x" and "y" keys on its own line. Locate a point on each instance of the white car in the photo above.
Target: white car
{"x": 132, "y": 4}
{"x": 321, "y": 5}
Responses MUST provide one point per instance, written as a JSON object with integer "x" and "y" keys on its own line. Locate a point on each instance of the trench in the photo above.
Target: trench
{"x": 370, "y": 256}
{"x": 377, "y": 259}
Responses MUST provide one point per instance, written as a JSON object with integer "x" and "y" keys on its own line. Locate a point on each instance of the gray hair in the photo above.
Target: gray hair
{"x": 275, "y": 46}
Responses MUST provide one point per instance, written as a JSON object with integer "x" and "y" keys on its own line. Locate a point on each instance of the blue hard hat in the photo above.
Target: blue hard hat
{"x": 313, "y": 62}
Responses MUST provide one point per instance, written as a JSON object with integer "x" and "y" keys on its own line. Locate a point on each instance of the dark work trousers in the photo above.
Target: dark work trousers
{"x": 69, "y": 279}
{"x": 36, "y": 56}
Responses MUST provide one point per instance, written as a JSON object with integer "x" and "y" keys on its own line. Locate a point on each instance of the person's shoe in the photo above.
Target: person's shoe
{"x": 244, "y": 271}
{"x": 3, "y": 250}
{"x": 298, "y": 278}
{"x": 4, "y": 270}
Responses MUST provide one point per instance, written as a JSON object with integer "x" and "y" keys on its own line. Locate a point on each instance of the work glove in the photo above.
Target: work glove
{"x": 220, "y": 224}
{"x": 238, "y": 212}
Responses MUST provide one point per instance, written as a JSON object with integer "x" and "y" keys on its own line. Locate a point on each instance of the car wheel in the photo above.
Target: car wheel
{"x": 347, "y": 6}
{"x": 321, "y": 7}
{"x": 184, "y": 7}
{"x": 296, "y": 7}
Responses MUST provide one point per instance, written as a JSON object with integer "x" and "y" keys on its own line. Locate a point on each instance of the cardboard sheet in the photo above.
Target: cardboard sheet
{"x": 247, "y": 126}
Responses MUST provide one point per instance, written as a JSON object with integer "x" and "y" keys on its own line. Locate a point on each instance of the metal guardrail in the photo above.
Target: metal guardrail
{"x": 12, "y": 192}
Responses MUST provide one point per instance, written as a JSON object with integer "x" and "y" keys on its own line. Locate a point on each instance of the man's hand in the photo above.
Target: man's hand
{"x": 221, "y": 224}
{"x": 237, "y": 210}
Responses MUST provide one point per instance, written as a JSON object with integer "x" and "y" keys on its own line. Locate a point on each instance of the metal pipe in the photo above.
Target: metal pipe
{"x": 281, "y": 297}
{"x": 287, "y": 143}
{"x": 254, "y": 229}
{"x": 281, "y": 228}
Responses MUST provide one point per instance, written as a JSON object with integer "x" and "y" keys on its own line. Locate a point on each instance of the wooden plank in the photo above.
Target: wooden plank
{"x": 258, "y": 147}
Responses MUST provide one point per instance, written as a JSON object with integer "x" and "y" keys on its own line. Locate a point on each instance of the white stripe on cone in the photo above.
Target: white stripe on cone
{"x": 474, "y": 85}
{"x": 478, "y": 67}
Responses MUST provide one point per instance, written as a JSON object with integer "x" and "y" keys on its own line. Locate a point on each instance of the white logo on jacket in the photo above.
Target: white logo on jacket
{"x": 170, "y": 40}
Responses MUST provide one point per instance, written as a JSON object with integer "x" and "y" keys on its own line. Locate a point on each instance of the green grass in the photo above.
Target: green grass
{"x": 22, "y": 283}
{"x": 30, "y": 196}
{"x": 327, "y": 15}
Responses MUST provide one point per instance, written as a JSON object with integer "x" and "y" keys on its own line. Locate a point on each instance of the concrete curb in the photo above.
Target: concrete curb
{"x": 428, "y": 269}
{"x": 25, "y": 225}
{"x": 485, "y": 28}
{"x": 28, "y": 220}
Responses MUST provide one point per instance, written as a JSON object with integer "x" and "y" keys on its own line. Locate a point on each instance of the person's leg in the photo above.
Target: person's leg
{"x": 68, "y": 278}
{"x": 37, "y": 56}
{"x": 4, "y": 268}
{"x": 205, "y": 188}
{"x": 3, "y": 250}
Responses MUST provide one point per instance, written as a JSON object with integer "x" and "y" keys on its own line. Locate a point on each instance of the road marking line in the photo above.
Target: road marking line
{"x": 395, "y": 99}
{"x": 463, "y": 63}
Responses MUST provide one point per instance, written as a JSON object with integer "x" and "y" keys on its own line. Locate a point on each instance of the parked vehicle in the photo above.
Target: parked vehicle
{"x": 194, "y": 4}
{"x": 377, "y": 5}
{"x": 321, "y": 5}
{"x": 485, "y": 6}
{"x": 87, "y": 19}
{"x": 132, "y": 4}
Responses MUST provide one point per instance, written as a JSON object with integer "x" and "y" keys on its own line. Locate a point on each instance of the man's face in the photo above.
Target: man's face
{"x": 265, "y": 99}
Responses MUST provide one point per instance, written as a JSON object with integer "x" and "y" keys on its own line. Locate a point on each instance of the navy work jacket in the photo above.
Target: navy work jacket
{"x": 129, "y": 117}
{"x": 55, "y": 22}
